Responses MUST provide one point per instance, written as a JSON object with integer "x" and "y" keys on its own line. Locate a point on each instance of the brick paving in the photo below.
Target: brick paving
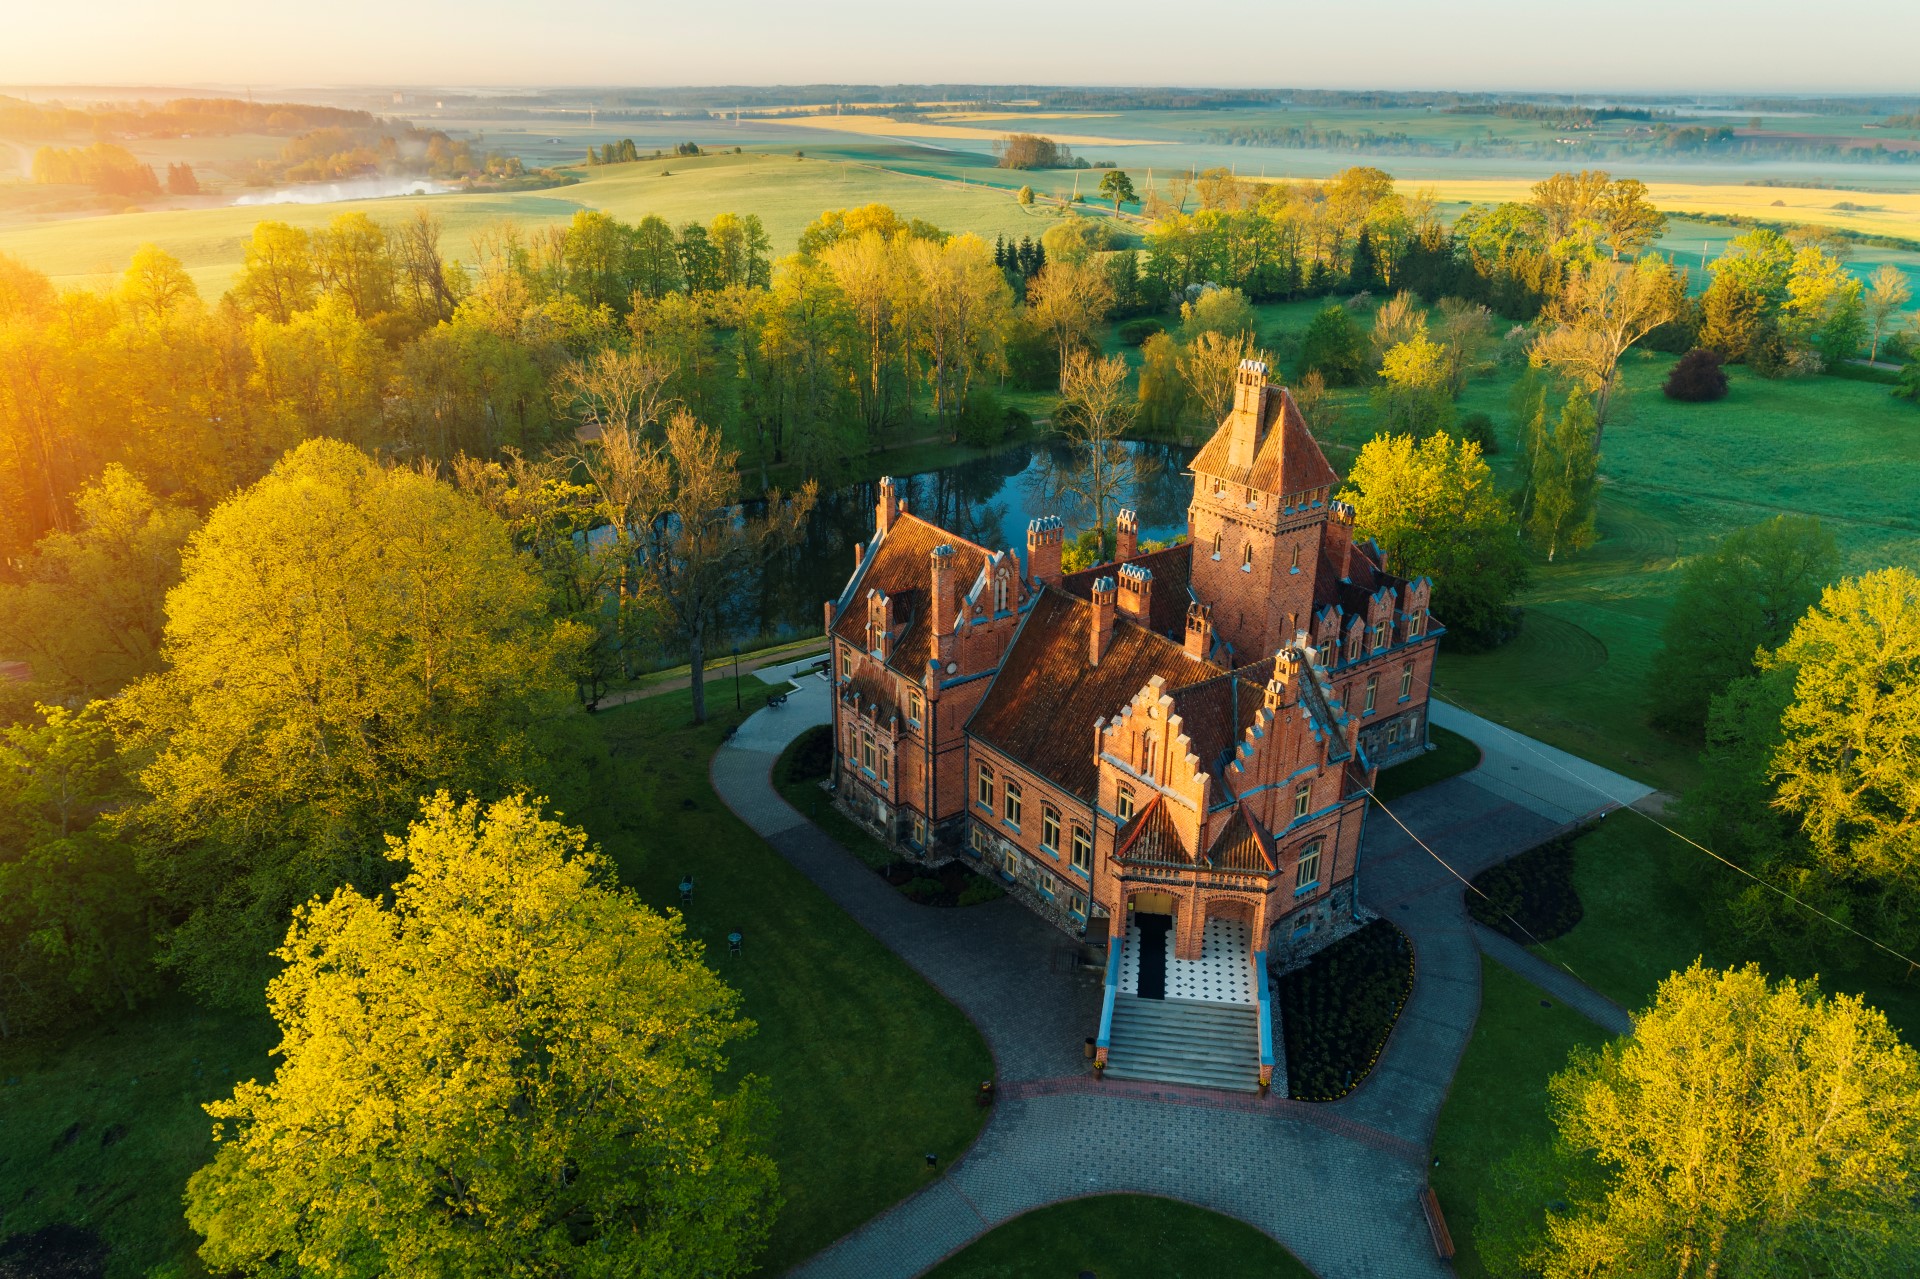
{"x": 1058, "y": 1134}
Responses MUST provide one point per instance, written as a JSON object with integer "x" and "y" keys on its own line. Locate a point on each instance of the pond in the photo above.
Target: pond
{"x": 988, "y": 500}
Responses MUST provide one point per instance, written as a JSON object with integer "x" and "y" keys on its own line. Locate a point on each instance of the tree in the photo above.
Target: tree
{"x": 181, "y": 180}
{"x": 1465, "y": 330}
{"x": 1743, "y": 1129}
{"x": 1887, "y": 292}
{"x": 1094, "y": 412}
{"x": 1567, "y": 199}
{"x": 1432, "y": 506}
{"x": 155, "y": 285}
{"x": 964, "y": 304}
{"x": 1733, "y": 317}
{"x": 1115, "y": 185}
{"x": 873, "y": 273}
{"x": 1162, "y": 390}
{"x": 1414, "y": 395}
{"x": 515, "y": 1064}
{"x": 1223, "y": 311}
{"x": 614, "y": 389}
{"x": 1333, "y": 347}
{"x": 1824, "y": 310}
{"x": 1069, "y": 300}
{"x": 1848, "y": 765}
{"x": 1629, "y": 223}
{"x": 351, "y": 255}
{"x": 345, "y": 638}
{"x": 1605, "y": 308}
{"x": 1207, "y": 367}
{"x": 89, "y": 614}
{"x": 1563, "y": 465}
{"x": 75, "y": 915}
{"x": 1398, "y": 320}
{"x": 1073, "y": 239}
{"x": 1024, "y": 195}
{"x": 1740, "y": 596}
{"x": 1697, "y": 377}
{"x": 699, "y": 542}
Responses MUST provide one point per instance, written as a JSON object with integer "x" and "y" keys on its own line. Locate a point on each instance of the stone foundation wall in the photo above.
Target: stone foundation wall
{"x": 1332, "y": 917}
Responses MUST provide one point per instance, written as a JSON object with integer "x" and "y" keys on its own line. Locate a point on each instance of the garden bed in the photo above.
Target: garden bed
{"x": 1530, "y": 898}
{"x": 949, "y": 884}
{"x": 1337, "y": 1010}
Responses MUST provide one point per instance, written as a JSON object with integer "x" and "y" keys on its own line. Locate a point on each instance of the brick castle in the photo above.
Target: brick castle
{"x": 1181, "y": 738}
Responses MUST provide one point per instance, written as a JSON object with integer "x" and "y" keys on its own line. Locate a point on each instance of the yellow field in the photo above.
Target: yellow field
{"x": 1881, "y": 213}
{"x": 977, "y": 116}
{"x": 875, "y": 126}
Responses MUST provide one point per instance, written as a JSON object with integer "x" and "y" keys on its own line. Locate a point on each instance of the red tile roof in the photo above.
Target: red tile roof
{"x": 1243, "y": 845}
{"x": 899, "y": 565}
{"x": 1151, "y": 837}
{"x": 1172, "y": 569}
{"x": 1041, "y": 708}
{"x": 1286, "y": 459}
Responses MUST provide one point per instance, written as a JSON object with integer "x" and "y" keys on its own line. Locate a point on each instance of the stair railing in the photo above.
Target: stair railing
{"x": 1100, "y": 1045}
{"x": 1264, "y": 996}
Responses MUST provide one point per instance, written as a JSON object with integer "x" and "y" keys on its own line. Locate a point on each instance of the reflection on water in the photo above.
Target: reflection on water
{"x": 351, "y": 189}
{"x": 988, "y": 500}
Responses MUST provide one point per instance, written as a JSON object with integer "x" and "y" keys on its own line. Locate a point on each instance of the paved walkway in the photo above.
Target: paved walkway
{"x": 1336, "y": 1183}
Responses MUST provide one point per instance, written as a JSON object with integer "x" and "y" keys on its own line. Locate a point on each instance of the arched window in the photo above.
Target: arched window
{"x": 1147, "y": 745}
{"x": 1216, "y": 543}
{"x": 1296, "y": 557}
{"x": 1123, "y": 805}
{"x": 1000, "y": 593}
{"x": 1246, "y": 556}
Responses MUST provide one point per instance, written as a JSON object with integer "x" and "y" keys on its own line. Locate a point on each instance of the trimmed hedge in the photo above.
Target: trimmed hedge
{"x": 1530, "y": 898}
{"x": 1337, "y": 1010}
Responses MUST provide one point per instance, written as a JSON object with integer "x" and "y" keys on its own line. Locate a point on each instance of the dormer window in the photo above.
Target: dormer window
{"x": 1353, "y": 647}
{"x": 916, "y": 707}
{"x": 1123, "y": 804}
{"x": 1416, "y": 622}
{"x": 1379, "y": 634}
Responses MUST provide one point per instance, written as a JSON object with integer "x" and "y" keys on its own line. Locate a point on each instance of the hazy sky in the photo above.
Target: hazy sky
{"x": 1758, "y": 45}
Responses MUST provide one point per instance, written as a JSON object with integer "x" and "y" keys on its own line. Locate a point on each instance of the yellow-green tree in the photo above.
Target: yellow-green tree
{"x": 346, "y": 637}
{"x": 1415, "y": 393}
{"x": 1563, "y": 464}
{"x": 277, "y": 279}
{"x": 1432, "y": 506}
{"x": 1743, "y": 1129}
{"x": 155, "y": 285}
{"x": 510, "y": 1069}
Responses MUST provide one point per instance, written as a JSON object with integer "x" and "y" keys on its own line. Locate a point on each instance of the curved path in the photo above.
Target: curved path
{"x": 1337, "y": 1183}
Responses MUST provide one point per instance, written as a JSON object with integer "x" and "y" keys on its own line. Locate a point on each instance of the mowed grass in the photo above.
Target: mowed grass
{"x": 1119, "y": 1237}
{"x": 1499, "y": 1096}
{"x": 1451, "y": 755}
{"x": 869, "y": 1066}
{"x": 787, "y": 193}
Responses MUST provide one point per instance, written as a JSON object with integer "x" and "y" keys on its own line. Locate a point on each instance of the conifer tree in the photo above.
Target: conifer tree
{"x": 1564, "y": 466}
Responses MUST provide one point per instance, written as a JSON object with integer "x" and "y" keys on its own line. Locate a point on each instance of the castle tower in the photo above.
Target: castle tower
{"x": 1261, "y": 494}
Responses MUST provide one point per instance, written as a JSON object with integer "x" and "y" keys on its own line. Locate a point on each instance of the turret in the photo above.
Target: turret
{"x": 1045, "y": 538}
{"x": 888, "y": 509}
{"x": 1136, "y": 592}
{"x": 1127, "y": 536}
{"x": 1249, "y": 406}
{"x": 1199, "y": 631}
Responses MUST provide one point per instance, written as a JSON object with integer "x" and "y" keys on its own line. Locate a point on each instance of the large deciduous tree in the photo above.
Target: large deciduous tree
{"x": 1563, "y": 463}
{"x": 1605, "y": 308}
{"x": 1432, "y": 507}
{"x": 1069, "y": 300}
{"x": 1743, "y": 1129}
{"x": 511, "y": 1068}
{"x": 345, "y": 638}
{"x": 1742, "y": 595}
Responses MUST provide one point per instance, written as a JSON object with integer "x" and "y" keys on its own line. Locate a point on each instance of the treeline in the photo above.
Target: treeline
{"x": 397, "y": 150}
{"x": 1661, "y": 138}
{"x": 1555, "y": 113}
{"x": 1031, "y": 151}
{"x": 108, "y": 169}
{"x": 176, "y": 118}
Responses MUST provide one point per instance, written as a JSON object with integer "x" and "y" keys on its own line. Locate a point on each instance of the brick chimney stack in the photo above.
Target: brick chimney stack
{"x": 1127, "y": 537}
{"x": 1249, "y": 406}
{"x": 889, "y": 506}
{"x": 941, "y": 593}
{"x": 1101, "y": 638}
{"x": 1199, "y": 631}
{"x": 1045, "y": 539}
{"x": 1136, "y": 592}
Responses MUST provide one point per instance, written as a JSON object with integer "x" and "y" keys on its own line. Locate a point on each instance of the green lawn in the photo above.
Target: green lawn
{"x": 870, "y": 1067}
{"x": 1451, "y": 755}
{"x": 1499, "y": 1096}
{"x": 1643, "y": 891}
{"x": 1115, "y": 1236}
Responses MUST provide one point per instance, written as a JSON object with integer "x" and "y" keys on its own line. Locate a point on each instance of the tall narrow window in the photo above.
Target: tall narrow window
{"x": 1373, "y": 694}
{"x": 1146, "y": 755}
{"x": 1306, "y": 873}
{"x": 1303, "y": 799}
{"x": 1416, "y": 622}
{"x": 866, "y": 751}
{"x": 1012, "y": 808}
{"x": 1406, "y": 680}
{"x": 1000, "y": 594}
{"x": 916, "y": 707}
{"x": 1246, "y": 556}
{"x": 846, "y": 664}
{"x": 1082, "y": 850}
{"x": 1380, "y": 635}
{"x": 1296, "y": 557}
{"x": 1050, "y": 830}
{"x": 1216, "y": 543}
{"x": 1353, "y": 647}
{"x": 985, "y": 792}
{"x": 1393, "y": 733}
{"x": 885, "y": 776}
{"x": 1123, "y": 804}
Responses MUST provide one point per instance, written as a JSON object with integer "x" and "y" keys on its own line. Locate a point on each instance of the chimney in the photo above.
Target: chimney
{"x": 1101, "y": 638}
{"x": 1136, "y": 592}
{"x": 1249, "y": 406}
{"x": 889, "y": 507}
{"x": 1285, "y": 684}
{"x": 1127, "y": 536}
{"x": 859, "y": 555}
{"x": 880, "y": 623}
{"x": 1045, "y": 537}
{"x": 941, "y": 592}
{"x": 1199, "y": 631}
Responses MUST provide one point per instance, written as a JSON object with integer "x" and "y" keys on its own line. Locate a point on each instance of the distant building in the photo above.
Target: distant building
{"x": 1173, "y": 748}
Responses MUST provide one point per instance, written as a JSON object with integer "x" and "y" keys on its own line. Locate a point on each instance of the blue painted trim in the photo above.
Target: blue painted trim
{"x": 1266, "y": 1012}
{"x": 1084, "y": 874}
{"x": 1114, "y": 947}
{"x": 1306, "y": 888}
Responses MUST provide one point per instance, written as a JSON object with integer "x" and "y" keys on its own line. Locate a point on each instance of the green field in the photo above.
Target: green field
{"x": 869, "y": 1067}
{"x": 1118, "y": 1237}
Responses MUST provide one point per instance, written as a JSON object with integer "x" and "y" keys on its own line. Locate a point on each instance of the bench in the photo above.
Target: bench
{"x": 1437, "y": 1224}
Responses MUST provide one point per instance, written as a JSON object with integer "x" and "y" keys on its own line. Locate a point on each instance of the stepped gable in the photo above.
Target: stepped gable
{"x": 1172, "y": 568}
{"x": 1042, "y": 706}
{"x": 1287, "y": 459}
{"x": 1216, "y": 716}
{"x": 1243, "y": 845}
{"x": 897, "y": 565}
{"x": 1152, "y": 837}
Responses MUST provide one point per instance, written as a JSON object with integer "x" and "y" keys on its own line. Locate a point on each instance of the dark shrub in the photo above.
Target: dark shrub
{"x": 983, "y": 422}
{"x": 1478, "y": 427}
{"x": 1530, "y": 898}
{"x": 812, "y": 756}
{"x": 1697, "y": 377}
{"x": 1134, "y": 332}
{"x": 1337, "y": 1010}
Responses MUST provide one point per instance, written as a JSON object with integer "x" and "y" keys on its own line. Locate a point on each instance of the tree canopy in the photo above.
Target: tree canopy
{"x": 512, "y": 1068}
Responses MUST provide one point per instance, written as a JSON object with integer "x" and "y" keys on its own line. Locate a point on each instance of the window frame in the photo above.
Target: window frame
{"x": 1373, "y": 694}
{"x": 983, "y": 787}
{"x": 1011, "y": 803}
{"x": 1302, "y": 800}
{"x": 916, "y": 705}
{"x": 1050, "y": 829}
{"x": 866, "y": 750}
{"x": 1406, "y": 681}
{"x": 1306, "y": 867}
{"x": 1123, "y": 804}
{"x": 1082, "y": 856}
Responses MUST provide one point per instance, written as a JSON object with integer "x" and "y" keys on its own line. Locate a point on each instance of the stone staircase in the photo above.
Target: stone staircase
{"x": 1185, "y": 1041}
